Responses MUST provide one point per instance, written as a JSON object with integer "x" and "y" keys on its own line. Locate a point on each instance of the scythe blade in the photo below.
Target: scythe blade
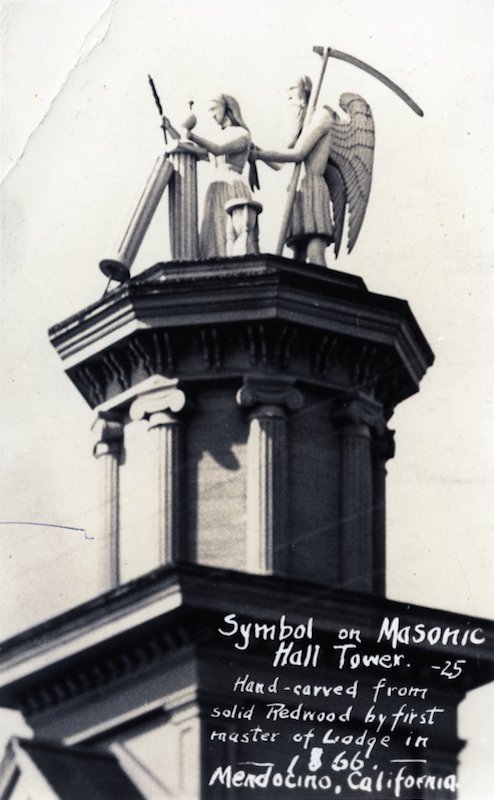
{"x": 356, "y": 62}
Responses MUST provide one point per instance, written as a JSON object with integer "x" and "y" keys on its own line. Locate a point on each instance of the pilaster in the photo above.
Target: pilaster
{"x": 267, "y": 401}
{"x": 107, "y": 450}
{"x": 383, "y": 448}
{"x": 361, "y": 495}
{"x": 161, "y": 407}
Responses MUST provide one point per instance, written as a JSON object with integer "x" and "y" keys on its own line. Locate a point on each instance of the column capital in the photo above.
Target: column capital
{"x": 383, "y": 445}
{"x": 158, "y": 401}
{"x": 355, "y": 409}
{"x": 108, "y": 433}
{"x": 264, "y": 391}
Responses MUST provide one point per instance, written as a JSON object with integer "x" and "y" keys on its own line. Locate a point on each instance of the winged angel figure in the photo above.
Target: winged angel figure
{"x": 338, "y": 158}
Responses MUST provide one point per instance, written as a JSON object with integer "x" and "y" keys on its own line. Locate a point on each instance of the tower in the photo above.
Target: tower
{"x": 241, "y": 435}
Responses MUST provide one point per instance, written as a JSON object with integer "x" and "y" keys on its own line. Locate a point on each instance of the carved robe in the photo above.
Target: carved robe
{"x": 227, "y": 184}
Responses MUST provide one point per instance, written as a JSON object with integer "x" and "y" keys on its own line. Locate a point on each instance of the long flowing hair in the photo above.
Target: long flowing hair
{"x": 234, "y": 114}
{"x": 232, "y": 110}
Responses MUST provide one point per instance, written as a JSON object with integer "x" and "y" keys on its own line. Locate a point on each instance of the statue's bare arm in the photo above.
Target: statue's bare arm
{"x": 319, "y": 126}
{"x": 168, "y": 127}
{"x": 233, "y": 141}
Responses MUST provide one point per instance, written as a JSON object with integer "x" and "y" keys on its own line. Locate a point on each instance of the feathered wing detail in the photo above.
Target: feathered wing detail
{"x": 349, "y": 170}
{"x": 337, "y": 193}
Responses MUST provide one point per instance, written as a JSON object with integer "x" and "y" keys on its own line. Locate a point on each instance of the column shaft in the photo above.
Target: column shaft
{"x": 379, "y": 559}
{"x": 183, "y": 201}
{"x": 266, "y": 482}
{"x": 119, "y": 268}
{"x": 148, "y": 202}
{"x": 356, "y": 531}
{"x": 107, "y": 451}
{"x": 165, "y": 432}
{"x": 160, "y": 407}
{"x": 382, "y": 449}
{"x": 267, "y": 398}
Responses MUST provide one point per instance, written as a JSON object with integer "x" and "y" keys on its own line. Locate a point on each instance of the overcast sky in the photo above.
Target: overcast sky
{"x": 80, "y": 135}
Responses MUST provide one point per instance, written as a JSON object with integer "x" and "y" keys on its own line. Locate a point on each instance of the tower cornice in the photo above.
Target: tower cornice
{"x": 225, "y": 317}
{"x": 128, "y": 628}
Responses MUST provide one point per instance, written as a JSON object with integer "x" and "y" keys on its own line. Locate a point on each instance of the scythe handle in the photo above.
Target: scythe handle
{"x": 290, "y": 202}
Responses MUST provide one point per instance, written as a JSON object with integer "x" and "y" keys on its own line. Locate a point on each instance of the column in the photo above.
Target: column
{"x": 119, "y": 268}
{"x": 161, "y": 407}
{"x": 107, "y": 450}
{"x": 183, "y": 200}
{"x": 383, "y": 448}
{"x": 267, "y": 401}
{"x": 354, "y": 417}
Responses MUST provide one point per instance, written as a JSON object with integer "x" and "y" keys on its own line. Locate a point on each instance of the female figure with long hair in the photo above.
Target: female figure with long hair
{"x": 230, "y": 150}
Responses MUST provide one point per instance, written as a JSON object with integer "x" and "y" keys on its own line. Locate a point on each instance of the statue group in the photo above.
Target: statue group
{"x": 330, "y": 185}
{"x": 337, "y": 158}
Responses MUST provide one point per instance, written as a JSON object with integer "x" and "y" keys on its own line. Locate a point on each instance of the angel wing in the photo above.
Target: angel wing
{"x": 349, "y": 170}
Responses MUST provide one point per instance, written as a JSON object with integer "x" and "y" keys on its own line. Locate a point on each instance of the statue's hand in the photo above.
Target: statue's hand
{"x": 254, "y": 153}
{"x": 165, "y": 123}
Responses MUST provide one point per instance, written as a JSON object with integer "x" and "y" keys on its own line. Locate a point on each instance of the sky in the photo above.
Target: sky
{"x": 80, "y": 136}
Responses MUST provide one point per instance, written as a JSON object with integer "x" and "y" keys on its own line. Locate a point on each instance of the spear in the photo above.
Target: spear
{"x": 158, "y": 103}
